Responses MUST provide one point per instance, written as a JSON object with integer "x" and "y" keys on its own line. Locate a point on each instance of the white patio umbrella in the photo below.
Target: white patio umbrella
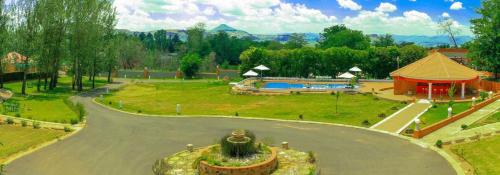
{"x": 261, "y": 68}
{"x": 346, "y": 75}
{"x": 355, "y": 69}
{"x": 250, "y": 73}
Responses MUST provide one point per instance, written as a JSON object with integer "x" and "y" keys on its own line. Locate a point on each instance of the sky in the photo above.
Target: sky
{"x": 399, "y": 17}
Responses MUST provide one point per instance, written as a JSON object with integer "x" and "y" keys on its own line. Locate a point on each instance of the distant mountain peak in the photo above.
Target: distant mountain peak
{"x": 223, "y": 27}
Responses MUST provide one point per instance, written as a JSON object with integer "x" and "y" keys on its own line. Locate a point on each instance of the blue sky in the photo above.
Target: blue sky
{"x": 404, "y": 17}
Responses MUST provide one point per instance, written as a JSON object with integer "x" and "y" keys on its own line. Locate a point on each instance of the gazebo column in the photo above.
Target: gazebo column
{"x": 463, "y": 90}
{"x": 430, "y": 91}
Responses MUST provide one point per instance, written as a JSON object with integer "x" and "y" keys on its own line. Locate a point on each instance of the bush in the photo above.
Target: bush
{"x": 24, "y": 123}
{"x": 382, "y": 115}
{"x": 434, "y": 105}
{"x": 404, "y": 102}
{"x": 301, "y": 117}
{"x": 10, "y": 121}
{"x": 190, "y": 64}
{"x": 365, "y": 123}
{"x": 409, "y": 131}
{"x": 298, "y": 93}
{"x": 439, "y": 143}
{"x": 311, "y": 158}
{"x": 236, "y": 114}
{"x": 464, "y": 126}
{"x": 74, "y": 121}
{"x": 110, "y": 102}
{"x": 17, "y": 115}
{"x": 139, "y": 111}
{"x": 81, "y": 111}
{"x": 376, "y": 99}
{"x": 451, "y": 103}
{"x": 67, "y": 129}
{"x": 394, "y": 108}
{"x": 36, "y": 125}
{"x": 483, "y": 95}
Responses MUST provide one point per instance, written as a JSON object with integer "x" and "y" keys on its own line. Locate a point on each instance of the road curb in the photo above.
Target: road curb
{"x": 454, "y": 163}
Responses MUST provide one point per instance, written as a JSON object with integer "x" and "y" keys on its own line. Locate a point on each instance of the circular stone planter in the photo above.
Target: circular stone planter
{"x": 263, "y": 168}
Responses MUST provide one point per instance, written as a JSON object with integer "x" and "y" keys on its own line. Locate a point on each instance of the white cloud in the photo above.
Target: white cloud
{"x": 386, "y": 7}
{"x": 255, "y": 16}
{"x": 410, "y": 23}
{"x": 456, "y": 6}
{"x": 445, "y": 15}
{"x": 349, "y": 4}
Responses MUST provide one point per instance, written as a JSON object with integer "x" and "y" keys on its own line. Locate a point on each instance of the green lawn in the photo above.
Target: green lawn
{"x": 15, "y": 139}
{"x": 434, "y": 115}
{"x": 494, "y": 118}
{"x": 483, "y": 155}
{"x": 213, "y": 98}
{"x": 45, "y": 106}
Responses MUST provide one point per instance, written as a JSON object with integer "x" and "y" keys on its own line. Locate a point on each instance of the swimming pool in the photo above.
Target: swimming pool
{"x": 285, "y": 85}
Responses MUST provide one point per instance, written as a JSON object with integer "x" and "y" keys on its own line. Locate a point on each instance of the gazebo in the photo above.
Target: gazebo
{"x": 434, "y": 75}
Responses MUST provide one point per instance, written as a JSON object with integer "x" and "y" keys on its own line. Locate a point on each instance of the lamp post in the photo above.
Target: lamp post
{"x": 449, "y": 111}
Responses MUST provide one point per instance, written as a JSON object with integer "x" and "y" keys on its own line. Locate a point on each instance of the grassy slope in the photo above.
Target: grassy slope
{"x": 439, "y": 113}
{"x": 46, "y": 106}
{"x": 16, "y": 139}
{"x": 483, "y": 155}
{"x": 213, "y": 98}
{"x": 494, "y": 118}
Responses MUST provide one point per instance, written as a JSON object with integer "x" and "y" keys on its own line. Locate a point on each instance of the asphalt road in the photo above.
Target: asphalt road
{"x": 115, "y": 143}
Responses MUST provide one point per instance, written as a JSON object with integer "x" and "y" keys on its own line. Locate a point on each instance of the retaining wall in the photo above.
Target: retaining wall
{"x": 439, "y": 125}
{"x": 263, "y": 168}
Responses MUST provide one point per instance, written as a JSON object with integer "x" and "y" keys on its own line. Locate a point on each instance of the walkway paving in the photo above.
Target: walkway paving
{"x": 454, "y": 131}
{"x": 125, "y": 144}
{"x": 397, "y": 122}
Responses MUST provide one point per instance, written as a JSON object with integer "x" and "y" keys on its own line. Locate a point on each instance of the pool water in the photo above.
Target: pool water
{"x": 284, "y": 85}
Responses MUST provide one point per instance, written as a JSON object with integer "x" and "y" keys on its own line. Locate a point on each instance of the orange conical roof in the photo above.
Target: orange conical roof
{"x": 436, "y": 66}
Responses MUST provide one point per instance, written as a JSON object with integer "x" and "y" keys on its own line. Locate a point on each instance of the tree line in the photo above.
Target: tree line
{"x": 53, "y": 35}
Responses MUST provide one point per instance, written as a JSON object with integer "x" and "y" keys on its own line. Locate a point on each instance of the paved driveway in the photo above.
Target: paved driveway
{"x": 120, "y": 144}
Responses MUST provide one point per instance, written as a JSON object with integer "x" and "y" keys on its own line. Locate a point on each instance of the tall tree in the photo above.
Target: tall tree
{"x": 485, "y": 50}
{"x": 196, "y": 42}
{"x": 447, "y": 26}
{"x": 296, "y": 41}
{"x": 384, "y": 41}
{"x": 341, "y": 36}
{"x": 3, "y": 39}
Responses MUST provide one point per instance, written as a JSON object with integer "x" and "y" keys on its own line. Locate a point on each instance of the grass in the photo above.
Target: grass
{"x": 16, "y": 139}
{"x": 440, "y": 112}
{"x": 483, "y": 155}
{"x": 494, "y": 118}
{"x": 213, "y": 98}
{"x": 45, "y": 106}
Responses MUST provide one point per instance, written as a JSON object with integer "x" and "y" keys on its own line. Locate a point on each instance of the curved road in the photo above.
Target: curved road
{"x": 115, "y": 143}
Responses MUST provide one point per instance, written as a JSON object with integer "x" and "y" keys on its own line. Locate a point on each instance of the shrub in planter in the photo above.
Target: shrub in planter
{"x": 439, "y": 143}
{"x": 24, "y": 123}
{"x": 382, "y": 115}
{"x": 483, "y": 95}
{"x": 463, "y": 126}
{"x": 36, "y": 125}
{"x": 10, "y": 121}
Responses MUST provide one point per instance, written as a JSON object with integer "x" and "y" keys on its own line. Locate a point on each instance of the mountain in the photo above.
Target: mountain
{"x": 425, "y": 41}
{"x": 231, "y": 31}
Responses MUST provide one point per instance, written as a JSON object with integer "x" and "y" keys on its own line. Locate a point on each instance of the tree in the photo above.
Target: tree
{"x": 3, "y": 39}
{"x": 274, "y": 45}
{"x": 410, "y": 54}
{"x": 190, "y": 64}
{"x": 384, "y": 41}
{"x": 447, "y": 26}
{"x": 296, "y": 41}
{"x": 161, "y": 41}
{"x": 340, "y": 36}
{"x": 485, "y": 49}
{"x": 196, "y": 43}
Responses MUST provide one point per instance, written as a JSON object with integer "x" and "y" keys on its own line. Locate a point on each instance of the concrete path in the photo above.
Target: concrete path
{"x": 454, "y": 130}
{"x": 397, "y": 122}
{"x": 115, "y": 143}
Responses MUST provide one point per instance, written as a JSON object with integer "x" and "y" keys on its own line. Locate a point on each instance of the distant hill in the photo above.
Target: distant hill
{"x": 231, "y": 31}
{"x": 426, "y": 41}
